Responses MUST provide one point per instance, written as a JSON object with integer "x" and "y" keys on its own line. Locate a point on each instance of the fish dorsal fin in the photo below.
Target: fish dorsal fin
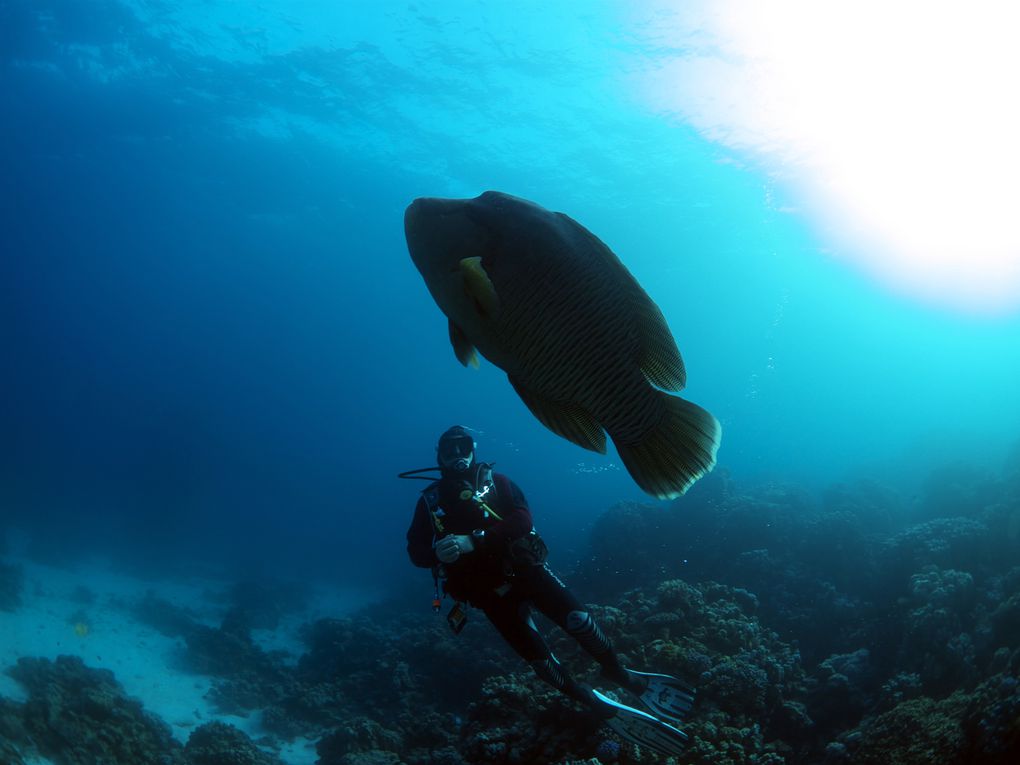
{"x": 567, "y": 420}
{"x": 660, "y": 359}
{"x": 478, "y": 287}
{"x": 463, "y": 347}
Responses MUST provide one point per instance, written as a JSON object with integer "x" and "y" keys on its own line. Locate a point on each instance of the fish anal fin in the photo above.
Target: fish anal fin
{"x": 462, "y": 347}
{"x": 479, "y": 288}
{"x": 568, "y": 420}
{"x": 660, "y": 359}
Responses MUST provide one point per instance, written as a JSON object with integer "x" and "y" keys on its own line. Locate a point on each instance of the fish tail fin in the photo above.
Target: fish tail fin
{"x": 677, "y": 452}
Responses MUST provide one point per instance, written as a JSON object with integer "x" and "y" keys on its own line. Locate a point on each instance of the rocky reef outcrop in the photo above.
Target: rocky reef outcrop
{"x": 852, "y": 627}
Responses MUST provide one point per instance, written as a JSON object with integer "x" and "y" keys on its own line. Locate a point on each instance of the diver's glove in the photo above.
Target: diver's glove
{"x": 449, "y": 548}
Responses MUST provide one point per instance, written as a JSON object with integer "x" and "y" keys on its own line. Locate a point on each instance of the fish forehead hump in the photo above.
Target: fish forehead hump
{"x": 529, "y": 241}
{"x": 518, "y": 221}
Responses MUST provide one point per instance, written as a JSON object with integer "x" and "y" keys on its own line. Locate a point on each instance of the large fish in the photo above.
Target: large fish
{"x": 585, "y": 348}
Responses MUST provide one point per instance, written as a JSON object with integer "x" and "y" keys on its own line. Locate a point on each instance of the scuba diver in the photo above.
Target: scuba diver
{"x": 473, "y": 528}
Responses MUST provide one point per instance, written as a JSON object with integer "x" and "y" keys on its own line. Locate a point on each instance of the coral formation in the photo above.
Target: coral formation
{"x": 859, "y": 628}
{"x": 217, "y": 743}
{"x": 78, "y": 715}
{"x": 901, "y": 614}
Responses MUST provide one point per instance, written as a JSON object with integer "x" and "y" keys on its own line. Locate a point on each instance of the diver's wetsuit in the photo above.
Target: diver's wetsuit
{"x": 505, "y": 590}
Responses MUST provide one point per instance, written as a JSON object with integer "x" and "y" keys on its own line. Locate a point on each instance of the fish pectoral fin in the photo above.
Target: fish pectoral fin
{"x": 478, "y": 287}
{"x": 660, "y": 359}
{"x": 463, "y": 347}
{"x": 568, "y": 420}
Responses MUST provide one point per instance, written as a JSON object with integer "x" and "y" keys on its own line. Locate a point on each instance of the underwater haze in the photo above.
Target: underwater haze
{"x": 218, "y": 354}
{"x": 214, "y": 330}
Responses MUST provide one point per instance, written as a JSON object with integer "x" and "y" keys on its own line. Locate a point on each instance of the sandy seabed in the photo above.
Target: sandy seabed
{"x": 86, "y": 611}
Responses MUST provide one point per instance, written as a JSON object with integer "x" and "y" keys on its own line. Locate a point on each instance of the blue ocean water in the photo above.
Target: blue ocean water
{"x": 217, "y": 356}
{"x": 218, "y": 351}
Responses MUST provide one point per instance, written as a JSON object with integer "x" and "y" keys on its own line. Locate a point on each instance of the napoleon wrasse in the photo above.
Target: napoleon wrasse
{"x": 586, "y": 349}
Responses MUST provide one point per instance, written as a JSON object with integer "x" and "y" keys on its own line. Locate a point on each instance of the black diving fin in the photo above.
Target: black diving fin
{"x": 642, "y": 728}
{"x": 665, "y": 696}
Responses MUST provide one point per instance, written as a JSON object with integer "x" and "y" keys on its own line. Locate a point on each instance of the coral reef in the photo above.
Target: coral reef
{"x": 14, "y": 737}
{"x": 262, "y": 604}
{"x": 78, "y": 715}
{"x": 904, "y": 615}
{"x": 858, "y": 627}
{"x": 520, "y": 719}
{"x": 916, "y": 732}
{"x": 217, "y": 743}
